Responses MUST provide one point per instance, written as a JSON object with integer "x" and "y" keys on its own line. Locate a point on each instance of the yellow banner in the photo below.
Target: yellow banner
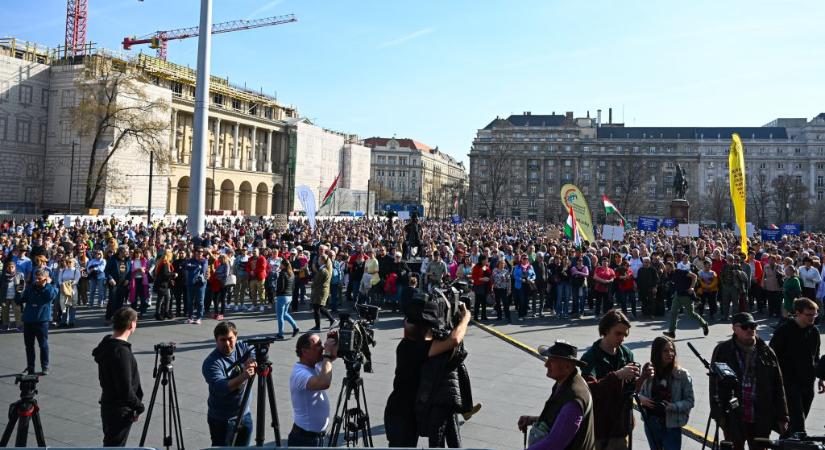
{"x": 572, "y": 196}
{"x": 736, "y": 162}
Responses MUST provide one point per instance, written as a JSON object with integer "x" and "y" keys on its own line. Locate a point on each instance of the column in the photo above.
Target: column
{"x": 173, "y": 200}
{"x": 236, "y": 149}
{"x": 253, "y": 152}
{"x": 268, "y": 155}
{"x": 173, "y": 138}
{"x": 216, "y": 151}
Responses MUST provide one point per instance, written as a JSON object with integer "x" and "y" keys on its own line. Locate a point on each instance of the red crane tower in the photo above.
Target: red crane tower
{"x": 159, "y": 39}
{"x": 77, "y": 12}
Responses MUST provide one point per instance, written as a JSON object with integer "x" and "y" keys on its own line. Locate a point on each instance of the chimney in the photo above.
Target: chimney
{"x": 609, "y": 115}
{"x": 598, "y": 117}
{"x": 568, "y": 115}
{"x": 526, "y": 113}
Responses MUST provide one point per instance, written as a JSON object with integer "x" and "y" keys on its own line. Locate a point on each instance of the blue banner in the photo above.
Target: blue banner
{"x": 792, "y": 229}
{"x": 456, "y": 219}
{"x": 669, "y": 223}
{"x": 648, "y": 224}
{"x": 771, "y": 235}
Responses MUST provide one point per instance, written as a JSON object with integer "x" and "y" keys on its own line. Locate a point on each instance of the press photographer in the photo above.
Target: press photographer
{"x": 226, "y": 370}
{"x": 311, "y": 377}
{"x": 761, "y": 407}
{"x": 121, "y": 397}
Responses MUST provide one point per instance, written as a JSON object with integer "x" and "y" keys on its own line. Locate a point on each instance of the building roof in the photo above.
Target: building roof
{"x": 402, "y": 142}
{"x": 821, "y": 116}
{"x": 690, "y": 132}
{"x": 528, "y": 120}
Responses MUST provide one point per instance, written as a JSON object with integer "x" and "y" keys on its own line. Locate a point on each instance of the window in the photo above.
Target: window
{"x": 217, "y": 99}
{"x": 41, "y": 133}
{"x": 567, "y": 163}
{"x": 24, "y": 131}
{"x": 253, "y": 109}
{"x": 268, "y": 112}
{"x": 4, "y": 91}
{"x": 799, "y": 179}
{"x": 533, "y": 189}
{"x": 820, "y": 166}
{"x": 602, "y": 163}
{"x": 761, "y": 165}
{"x": 67, "y": 98}
{"x": 820, "y": 182}
{"x": 65, "y": 133}
{"x": 177, "y": 88}
{"x": 780, "y": 166}
{"x": 797, "y": 151}
{"x": 798, "y": 165}
{"x": 236, "y": 104}
{"x": 3, "y": 128}
{"x": 44, "y": 97}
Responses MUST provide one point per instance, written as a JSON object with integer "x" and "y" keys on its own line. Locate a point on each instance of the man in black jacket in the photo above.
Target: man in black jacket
{"x": 121, "y": 399}
{"x": 796, "y": 344}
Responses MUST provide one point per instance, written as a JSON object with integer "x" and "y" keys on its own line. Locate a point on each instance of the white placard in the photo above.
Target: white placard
{"x": 613, "y": 233}
{"x": 668, "y": 233}
{"x": 404, "y": 215}
{"x": 689, "y": 230}
{"x": 750, "y": 227}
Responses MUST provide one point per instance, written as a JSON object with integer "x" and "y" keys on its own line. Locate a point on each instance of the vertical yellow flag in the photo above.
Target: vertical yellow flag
{"x": 736, "y": 162}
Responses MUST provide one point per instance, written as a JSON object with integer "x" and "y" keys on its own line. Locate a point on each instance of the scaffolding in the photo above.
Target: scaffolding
{"x": 25, "y": 50}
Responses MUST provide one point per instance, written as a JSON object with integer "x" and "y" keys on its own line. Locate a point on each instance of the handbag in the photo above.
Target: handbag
{"x": 66, "y": 288}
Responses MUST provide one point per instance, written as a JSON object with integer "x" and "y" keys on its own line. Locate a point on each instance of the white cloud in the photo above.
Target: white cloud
{"x": 409, "y": 37}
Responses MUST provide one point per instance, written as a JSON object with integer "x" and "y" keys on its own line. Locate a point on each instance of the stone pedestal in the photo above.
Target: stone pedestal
{"x": 680, "y": 210}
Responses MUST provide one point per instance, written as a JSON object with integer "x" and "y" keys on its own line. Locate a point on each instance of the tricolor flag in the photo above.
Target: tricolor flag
{"x": 610, "y": 208}
{"x": 571, "y": 228}
{"x": 330, "y": 192}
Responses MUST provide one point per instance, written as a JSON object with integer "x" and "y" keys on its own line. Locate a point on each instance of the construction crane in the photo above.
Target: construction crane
{"x": 76, "y": 18}
{"x": 159, "y": 39}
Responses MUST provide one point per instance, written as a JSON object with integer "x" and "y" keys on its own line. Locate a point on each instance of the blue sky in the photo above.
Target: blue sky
{"x": 436, "y": 71}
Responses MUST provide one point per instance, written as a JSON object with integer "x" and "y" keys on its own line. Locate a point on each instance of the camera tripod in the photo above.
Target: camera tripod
{"x": 164, "y": 374}
{"x": 21, "y": 412}
{"x": 354, "y": 420}
{"x": 266, "y": 391}
{"x": 724, "y": 405}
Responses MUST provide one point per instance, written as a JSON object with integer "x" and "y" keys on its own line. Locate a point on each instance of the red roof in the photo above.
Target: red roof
{"x": 404, "y": 142}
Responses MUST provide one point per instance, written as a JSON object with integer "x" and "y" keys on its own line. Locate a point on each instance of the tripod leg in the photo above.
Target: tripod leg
{"x": 9, "y": 426}
{"x": 22, "y": 431}
{"x": 149, "y": 411}
{"x": 707, "y": 430}
{"x": 273, "y": 408}
{"x": 247, "y": 390}
{"x": 174, "y": 411}
{"x": 336, "y": 421}
{"x": 368, "y": 430}
{"x": 38, "y": 430}
{"x": 260, "y": 418}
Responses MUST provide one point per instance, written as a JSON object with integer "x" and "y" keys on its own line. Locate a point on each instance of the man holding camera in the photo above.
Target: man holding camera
{"x": 761, "y": 396}
{"x": 311, "y": 377}
{"x": 611, "y": 373}
{"x": 226, "y": 370}
{"x": 121, "y": 396}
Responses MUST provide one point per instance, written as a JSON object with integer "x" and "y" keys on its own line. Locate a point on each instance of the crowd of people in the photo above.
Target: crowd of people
{"x": 517, "y": 270}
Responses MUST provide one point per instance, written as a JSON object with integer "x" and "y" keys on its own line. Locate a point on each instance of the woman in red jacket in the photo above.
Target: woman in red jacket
{"x": 481, "y": 276}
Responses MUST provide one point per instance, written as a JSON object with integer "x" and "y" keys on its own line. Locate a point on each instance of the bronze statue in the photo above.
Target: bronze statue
{"x": 680, "y": 182}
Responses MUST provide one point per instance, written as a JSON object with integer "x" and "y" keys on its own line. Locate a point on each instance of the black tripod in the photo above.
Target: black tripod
{"x": 164, "y": 374}
{"x": 266, "y": 391}
{"x": 354, "y": 420}
{"x": 23, "y": 411}
{"x": 724, "y": 404}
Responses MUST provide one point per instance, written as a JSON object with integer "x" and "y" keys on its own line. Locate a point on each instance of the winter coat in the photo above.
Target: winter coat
{"x": 285, "y": 284}
{"x": 320, "y": 284}
{"x": 144, "y": 280}
{"x": 119, "y": 377}
{"x": 681, "y": 396}
{"x": 258, "y": 272}
{"x": 37, "y": 303}
{"x": 445, "y": 384}
{"x": 17, "y": 279}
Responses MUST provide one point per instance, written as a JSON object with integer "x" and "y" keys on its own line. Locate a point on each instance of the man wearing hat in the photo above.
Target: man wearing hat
{"x": 762, "y": 406}
{"x": 567, "y": 417}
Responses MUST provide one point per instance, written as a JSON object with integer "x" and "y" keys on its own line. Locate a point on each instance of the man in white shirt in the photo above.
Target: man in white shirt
{"x": 311, "y": 377}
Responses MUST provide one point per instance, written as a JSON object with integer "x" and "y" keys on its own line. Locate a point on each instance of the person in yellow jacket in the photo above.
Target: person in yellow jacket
{"x": 708, "y": 288}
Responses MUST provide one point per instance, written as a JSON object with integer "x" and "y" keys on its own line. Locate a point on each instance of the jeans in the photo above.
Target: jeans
{"x": 39, "y": 331}
{"x": 579, "y": 299}
{"x": 221, "y": 431}
{"x": 334, "y": 296}
{"x": 563, "y": 293}
{"x": 142, "y": 296}
{"x": 301, "y": 438}
{"x": 502, "y": 302}
{"x": 282, "y": 308}
{"x": 97, "y": 286}
{"x": 480, "y": 302}
{"x": 625, "y": 297}
{"x": 179, "y": 296}
{"x": 69, "y": 315}
{"x": 163, "y": 308}
{"x": 194, "y": 300}
{"x": 661, "y": 437}
{"x": 686, "y": 302}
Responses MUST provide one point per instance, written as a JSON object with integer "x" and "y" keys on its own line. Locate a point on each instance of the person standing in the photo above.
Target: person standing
{"x": 37, "y": 300}
{"x": 684, "y": 283}
{"x": 12, "y": 284}
{"x": 791, "y": 290}
{"x": 604, "y": 278}
{"x": 196, "y": 272}
{"x": 796, "y": 344}
{"x": 139, "y": 294}
{"x": 772, "y": 283}
{"x": 308, "y": 384}
{"x": 320, "y": 291}
{"x": 256, "y": 268}
{"x": 567, "y": 418}
{"x": 96, "y": 271}
{"x": 731, "y": 286}
{"x": 118, "y": 270}
{"x": 283, "y": 296}
{"x": 523, "y": 285}
{"x": 708, "y": 288}
{"x": 810, "y": 278}
{"x": 179, "y": 284}
{"x": 163, "y": 281}
{"x": 481, "y": 283}
{"x": 242, "y": 277}
{"x": 67, "y": 279}
{"x": 502, "y": 287}
{"x": 121, "y": 399}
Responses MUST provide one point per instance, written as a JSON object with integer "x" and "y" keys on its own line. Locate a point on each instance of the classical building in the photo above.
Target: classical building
{"x": 409, "y": 172}
{"x": 519, "y": 164}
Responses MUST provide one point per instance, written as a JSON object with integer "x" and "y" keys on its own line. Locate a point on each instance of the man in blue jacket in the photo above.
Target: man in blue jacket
{"x": 37, "y": 302}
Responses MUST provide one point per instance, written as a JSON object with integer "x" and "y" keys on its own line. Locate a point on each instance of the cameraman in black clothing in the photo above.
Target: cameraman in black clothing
{"x": 121, "y": 399}
{"x": 412, "y": 352}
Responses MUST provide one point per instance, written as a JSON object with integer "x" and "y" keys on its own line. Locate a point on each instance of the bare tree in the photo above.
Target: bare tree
{"x": 759, "y": 196}
{"x": 818, "y": 216}
{"x": 491, "y": 183}
{"x": 116, "y": 111}
{"x": 789, "y": 196}
{"x": 631, "y": 181}
{"x": 717, "y": 201}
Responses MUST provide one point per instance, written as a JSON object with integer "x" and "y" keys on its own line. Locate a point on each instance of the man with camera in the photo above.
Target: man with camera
{"x": 611, "y": 374}
{"x": 311, "y": 377}
{"x": 226, "y": 370}
{"x": 567, "y": 418}
{"x": 37, "y": 300}
{"x": 121, "y": 396}
{"x": 761, "y": 405}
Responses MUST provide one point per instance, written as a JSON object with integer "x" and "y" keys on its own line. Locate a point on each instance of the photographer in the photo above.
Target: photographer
{"x": 416, "y": 347}
{"x": 611, "y": 374}
{"x": 121, "y": 396}
{"x": 37, "y": 300}
{"x": 762, "y": 405}
{"x": 311, "y": 377}
{"x": 226, "y": 374}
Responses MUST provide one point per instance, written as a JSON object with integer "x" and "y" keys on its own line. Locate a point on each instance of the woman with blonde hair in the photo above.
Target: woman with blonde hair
{"x": 163, "y": 281}
{"x": 68, "y": 276}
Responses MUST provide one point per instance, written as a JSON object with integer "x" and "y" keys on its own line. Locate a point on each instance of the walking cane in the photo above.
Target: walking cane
{"x": 525, "y": 437}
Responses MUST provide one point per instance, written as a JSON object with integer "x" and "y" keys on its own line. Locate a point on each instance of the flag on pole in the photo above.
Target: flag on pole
{"x": 738, "y": 193}
{"x": 610, "y": 208}
{"x": 571, "y": 229}
{"x": 330, "y": 192}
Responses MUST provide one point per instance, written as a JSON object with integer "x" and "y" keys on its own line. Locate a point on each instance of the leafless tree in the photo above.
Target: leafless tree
{"x": 116, "y": 111}
{"x": 759, "y": 196}
{"x": 818, "y": 216}
{"x": 491, "y": 185}
{"x": 717, "y": 201}
{"x": 632, "y": 181}
{"x": 789, "y": 196}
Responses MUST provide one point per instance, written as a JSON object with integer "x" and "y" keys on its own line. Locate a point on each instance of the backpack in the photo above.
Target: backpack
{"x": 336, "y": 274}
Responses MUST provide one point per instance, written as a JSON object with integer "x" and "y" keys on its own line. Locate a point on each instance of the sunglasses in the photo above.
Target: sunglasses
{"x": 747, "y": 326}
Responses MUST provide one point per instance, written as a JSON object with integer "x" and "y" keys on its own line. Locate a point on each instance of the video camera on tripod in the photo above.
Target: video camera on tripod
{"x": 355, "y": 338}
{"x": 797, "y": 441}
{"x": 266, "y": 391}
{"x": 448, "y": 297}
{"x": 725, "y": 399}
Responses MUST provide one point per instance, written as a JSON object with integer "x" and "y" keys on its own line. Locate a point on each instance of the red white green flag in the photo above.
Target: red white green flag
{"x": 571, "y": 228}
{"x": 610, "y": 208}
{"x": 330, "y": 192}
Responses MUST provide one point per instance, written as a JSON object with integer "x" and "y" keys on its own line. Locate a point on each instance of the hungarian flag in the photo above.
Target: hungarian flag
{"x": 610, "y": 208}
{"x": 330, "y": 192}
{"x": 571, "y": 228}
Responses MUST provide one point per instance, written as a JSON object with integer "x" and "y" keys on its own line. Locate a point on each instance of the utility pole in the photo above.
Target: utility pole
{"x": 71, "y": 178}
{"x": 151, "y": 174}
{"x": 197, "y": 174}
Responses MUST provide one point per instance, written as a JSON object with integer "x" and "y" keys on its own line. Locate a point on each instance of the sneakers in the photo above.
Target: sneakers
{"x": 250, "y": 309}
{"x": 705, "y": 329}
{"x": 190, "y": 321}
{"x": 261, "y": 309}
{"x": 44, "y": 372}
{"x": 315, "y": 329}
{"x": 332, "y": 323}
{"x": 219, "y": 317}
{"x": 295, "y": 332}
{"x": 197, "y": 322}
{"x": 279, "y": 337}
{"x": 233, "y": 308}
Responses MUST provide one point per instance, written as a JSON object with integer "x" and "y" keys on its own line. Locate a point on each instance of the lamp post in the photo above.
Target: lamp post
{"x": 71, "y": 178}
{"x": 787, "y": 211}
{"x": 197, "y": 194}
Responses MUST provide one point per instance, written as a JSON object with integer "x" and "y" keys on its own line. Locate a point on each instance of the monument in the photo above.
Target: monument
{"x": 679, "y": 207}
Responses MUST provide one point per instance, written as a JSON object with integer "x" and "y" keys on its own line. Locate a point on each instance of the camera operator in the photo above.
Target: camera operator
{"x": 121, "y": 396}
{"x": 761, "y": 396}
{"x": 796, "y": 344}
{"x": 611, "y": 374}
{"x": 412, "y": 352}
{"x": 311, "y": 377}
{"x": 37, "y": 300}
{"x": 226, "y": 376}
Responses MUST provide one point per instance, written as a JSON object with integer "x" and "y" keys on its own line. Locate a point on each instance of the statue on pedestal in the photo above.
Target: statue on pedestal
{"x": 680, "y": 182}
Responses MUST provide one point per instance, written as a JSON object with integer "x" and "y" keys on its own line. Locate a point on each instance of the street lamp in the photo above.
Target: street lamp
{"x": 787, "y": 211}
